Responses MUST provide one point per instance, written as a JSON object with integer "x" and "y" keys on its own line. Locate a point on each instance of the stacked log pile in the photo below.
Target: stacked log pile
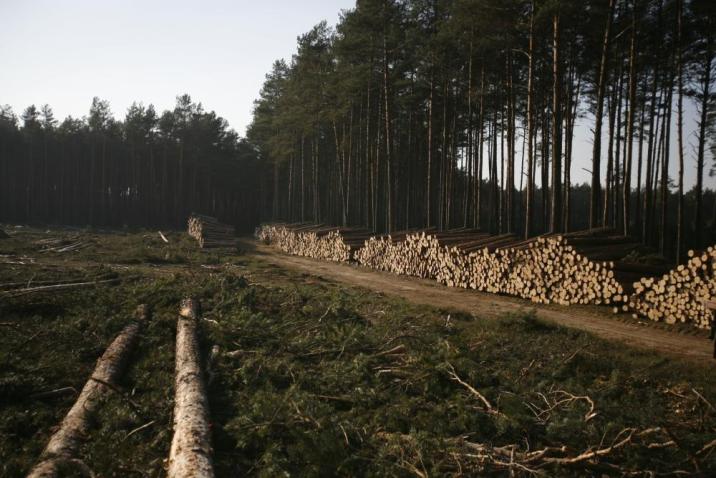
{"x": 428, "y": 254}
{"x": 586, "y": 267}
{"x": 679, "y": 295}
{"x": 554, "y": 269}
{"x": 563, "y": 269}
{"x": 597, "y": 266}
{"x": 390, "y": 252}
{"x": 547, "y": 269}
{"x": 210, "y": 232}
{"x": 316, "y": 241}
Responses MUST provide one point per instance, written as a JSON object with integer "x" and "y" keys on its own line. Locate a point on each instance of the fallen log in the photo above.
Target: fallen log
{"x": 190, "y": 453}
{"x": 66, "y": 441}
{"x": 49, "y": 288}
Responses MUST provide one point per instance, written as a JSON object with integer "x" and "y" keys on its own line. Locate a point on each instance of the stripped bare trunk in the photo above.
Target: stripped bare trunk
{"x": 597, "y": 145}
{"x": 65, "y": 443}
{"x": 679, "y": 136}
{"x": 529, "y": 203}
{"x": 556, "y": 214}
{"x": 190, "y": 453}
{"x": 626, "y": 193}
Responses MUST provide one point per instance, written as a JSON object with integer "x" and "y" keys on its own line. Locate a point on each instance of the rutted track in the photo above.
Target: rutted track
{"x": 427, "y": 292}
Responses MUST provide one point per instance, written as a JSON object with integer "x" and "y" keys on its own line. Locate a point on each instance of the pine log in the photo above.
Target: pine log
{"x": 190, "y": 453}
{"x": 66, "y": 441}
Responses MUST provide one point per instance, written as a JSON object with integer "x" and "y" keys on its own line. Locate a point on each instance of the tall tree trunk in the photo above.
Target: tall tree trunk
{"x": 510, "y": 180}
{"x": 597, "y": 146}
{"x": 640, "y": 149}
{"x": 665, "y": 168}
{"x": 607, "y": 217}
{"x": 388, "y": 136}
{"x": 494, "y": 221}
{"x": 529, "y": 200}
{"x": 480, "y": 140}
{"x": 616, "y": 223}
{"x": 680, "y": 132}
{"x": 703, "y": 122}
{"x": 556, "y": 215}
{"x": 443, "y": 160}
{"x": 545, "y": 165}
{"x": 571, "y": 111}
{"x": 650, "y": 162}
{"x": 430, "y": 147}
{"x": 470, "y": 158}
{"x": 275, "y": 209}
{"x": 626, "y": 193}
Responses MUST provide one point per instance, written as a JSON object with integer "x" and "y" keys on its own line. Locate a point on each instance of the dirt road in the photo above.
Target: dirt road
{"x": 692, "y": 345}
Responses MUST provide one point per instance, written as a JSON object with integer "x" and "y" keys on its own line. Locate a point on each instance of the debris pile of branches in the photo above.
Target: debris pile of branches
{"x": 210, "y": 232}
{"x": 534, "y": 462}
{"x": 679, "y": 295}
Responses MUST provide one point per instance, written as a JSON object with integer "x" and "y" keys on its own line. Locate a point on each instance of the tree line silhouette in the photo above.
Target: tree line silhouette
{"x": 149, "y": 169}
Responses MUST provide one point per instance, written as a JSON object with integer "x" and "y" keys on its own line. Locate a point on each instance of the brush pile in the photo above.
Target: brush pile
{"x": 679, "y": 295}
{"x": 336, "y": 244}
{"x": 210, "y": 232}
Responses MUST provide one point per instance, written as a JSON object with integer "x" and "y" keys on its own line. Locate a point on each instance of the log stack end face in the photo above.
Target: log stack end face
{"x": 210, "y": 233}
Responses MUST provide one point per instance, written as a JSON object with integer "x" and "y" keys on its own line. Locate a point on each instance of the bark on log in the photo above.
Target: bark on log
{"x": 190, "y": 454}
{"x": 65, "y": 442}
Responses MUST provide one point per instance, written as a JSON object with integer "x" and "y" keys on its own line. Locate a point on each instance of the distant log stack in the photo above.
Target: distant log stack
{"x": 314, "y": 240}
{"x": 679, "y": 295}
{"x": 210, "y": 232}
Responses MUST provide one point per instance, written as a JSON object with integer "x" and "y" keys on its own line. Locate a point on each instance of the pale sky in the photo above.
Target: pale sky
{"x": 64, "y": 52}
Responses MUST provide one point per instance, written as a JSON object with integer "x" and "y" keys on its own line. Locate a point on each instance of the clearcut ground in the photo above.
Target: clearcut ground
{"x": 327, "y": 369}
